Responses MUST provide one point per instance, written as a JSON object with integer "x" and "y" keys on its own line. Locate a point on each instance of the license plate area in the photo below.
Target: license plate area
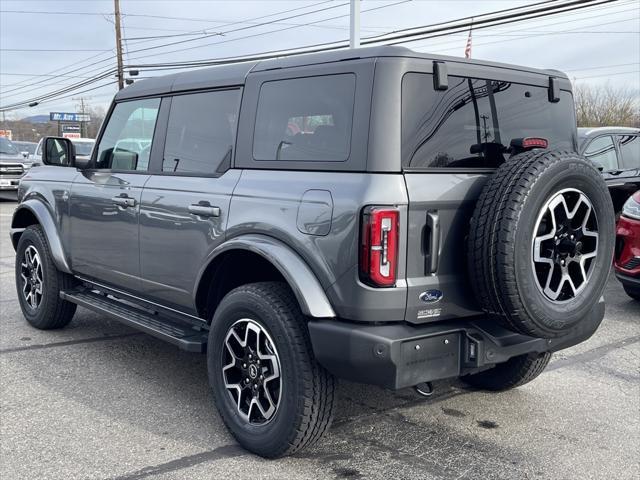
{"x": 430, "y": 358}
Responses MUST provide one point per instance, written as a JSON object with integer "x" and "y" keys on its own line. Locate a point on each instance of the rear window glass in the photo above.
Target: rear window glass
{"x": 602, "y": 152}
{"x": 472, "y": 123}
{"x": 630, "y": 149}
{"x": 305, "y": 119}
{"x": 201, "y": 132}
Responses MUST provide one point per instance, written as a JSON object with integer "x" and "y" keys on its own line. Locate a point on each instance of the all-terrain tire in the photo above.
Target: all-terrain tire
{"x": 501, "y": 236}
{"x": 306, "y": 404}
{"x": 511, "y": 374}
{"x": 51, "y": 312}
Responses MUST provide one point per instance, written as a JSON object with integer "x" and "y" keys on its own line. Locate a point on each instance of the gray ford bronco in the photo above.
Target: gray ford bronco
{"x": 379, "y": 215}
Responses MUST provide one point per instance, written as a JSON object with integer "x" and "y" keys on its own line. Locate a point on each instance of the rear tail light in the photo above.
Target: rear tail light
{"x": 379, "y": 246}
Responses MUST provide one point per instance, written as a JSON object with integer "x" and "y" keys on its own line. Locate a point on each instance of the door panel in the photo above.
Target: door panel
{"x": 182, "y": 219}
{"x": 104, "y": 211}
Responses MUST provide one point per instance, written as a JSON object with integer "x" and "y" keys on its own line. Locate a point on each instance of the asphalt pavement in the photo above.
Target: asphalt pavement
{"x": 97, "y": 400}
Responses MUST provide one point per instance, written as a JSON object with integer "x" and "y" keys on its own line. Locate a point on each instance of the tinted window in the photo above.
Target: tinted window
{"x": 472, "y": 123}
{"x": 201, "y": 132}
{"x": 135, "y": 119}
{"x": 630, "y": 150}
{"x": 602, "y": 152}
{"x": 305, "y": 119}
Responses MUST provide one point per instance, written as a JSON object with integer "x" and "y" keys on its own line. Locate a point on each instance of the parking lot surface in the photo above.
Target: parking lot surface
{"x": 99, "y": 400}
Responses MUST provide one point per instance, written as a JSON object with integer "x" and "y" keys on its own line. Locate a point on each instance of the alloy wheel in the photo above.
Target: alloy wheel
{"x": 31, "y": 275}
{"x": 251, "y": 371}
{"x": 565, "y": 245}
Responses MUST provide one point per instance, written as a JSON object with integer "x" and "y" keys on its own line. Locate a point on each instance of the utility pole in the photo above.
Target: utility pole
{"x": 83, "y": 110}
{"x": 354, "y": 24}
{"x": 116, "y": 4}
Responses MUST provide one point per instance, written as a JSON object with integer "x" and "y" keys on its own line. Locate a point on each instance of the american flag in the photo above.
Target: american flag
{"x": 467, "y": 50}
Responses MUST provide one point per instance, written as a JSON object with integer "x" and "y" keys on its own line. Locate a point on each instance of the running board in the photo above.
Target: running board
{"x": 186, "y": 337}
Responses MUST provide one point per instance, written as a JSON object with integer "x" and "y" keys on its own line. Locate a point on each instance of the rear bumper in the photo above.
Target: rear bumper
{"x": 401, "y": 355}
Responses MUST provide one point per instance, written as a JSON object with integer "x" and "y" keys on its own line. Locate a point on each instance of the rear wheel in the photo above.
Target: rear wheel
{"x": 39, "y": 282}
{"x": 511, "y": 374}
{"x": 270, "y": 391}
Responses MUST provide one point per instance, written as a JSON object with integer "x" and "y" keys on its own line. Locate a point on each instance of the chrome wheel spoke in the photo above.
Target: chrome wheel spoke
{"x": 251, "y": 371}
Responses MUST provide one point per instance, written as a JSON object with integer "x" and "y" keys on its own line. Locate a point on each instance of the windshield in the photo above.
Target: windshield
{"x": 7, "y": 147}
{"x": 83, "y": 148}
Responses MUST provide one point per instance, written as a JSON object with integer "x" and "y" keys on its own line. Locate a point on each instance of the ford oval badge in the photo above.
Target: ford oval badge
{"x": 431, "y": 296}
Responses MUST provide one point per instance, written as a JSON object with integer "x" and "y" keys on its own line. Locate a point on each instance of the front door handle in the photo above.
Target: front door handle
{"x": 204, "y": 210}
{"x": 124, "y": 201}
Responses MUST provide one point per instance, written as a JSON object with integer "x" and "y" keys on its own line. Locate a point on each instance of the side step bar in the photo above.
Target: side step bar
{"x": 185, "y": 336}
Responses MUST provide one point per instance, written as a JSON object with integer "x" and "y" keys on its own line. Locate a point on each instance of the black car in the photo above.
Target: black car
{"x": 616, "y": 152}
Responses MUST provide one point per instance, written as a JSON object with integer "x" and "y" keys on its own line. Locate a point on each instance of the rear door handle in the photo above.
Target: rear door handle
{"x": 433, "y": 221}
{"x": 124, "y": 201}
{"x": 204, "y": 210}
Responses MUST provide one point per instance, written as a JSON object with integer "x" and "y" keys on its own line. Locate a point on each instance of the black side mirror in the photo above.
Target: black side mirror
{"x": 58, "y": 151}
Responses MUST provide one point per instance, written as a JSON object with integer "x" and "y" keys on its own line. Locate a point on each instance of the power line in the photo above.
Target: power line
{"x": 637, "y": 72}
{"x": 435, "y": 30}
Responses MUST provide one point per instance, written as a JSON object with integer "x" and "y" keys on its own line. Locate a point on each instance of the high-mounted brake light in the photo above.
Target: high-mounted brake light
{"x": 379, "y": 246}
{"x": 529, "y": 142}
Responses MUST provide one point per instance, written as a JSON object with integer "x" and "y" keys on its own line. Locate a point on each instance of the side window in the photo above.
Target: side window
{"x": 201, "y": 132}
{"x": 126, "y": 142}
{"x": 305, "y": 119}
{"x": 472, "y": 123}
{"x": 602, "y": 152}
{"x": 630, "y": 150}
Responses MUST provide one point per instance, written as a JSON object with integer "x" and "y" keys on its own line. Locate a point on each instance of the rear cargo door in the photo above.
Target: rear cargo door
{"x": 452, "y": 141}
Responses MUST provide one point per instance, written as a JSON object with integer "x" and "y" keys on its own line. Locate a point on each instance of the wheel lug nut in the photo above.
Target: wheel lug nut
{"x": 244, "y": 365}
{"x": 250, "y": 356}
{"x": 246, "y": 380}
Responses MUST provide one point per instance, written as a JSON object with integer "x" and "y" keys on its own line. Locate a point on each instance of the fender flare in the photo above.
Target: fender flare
{"x": 308, "y": 291}
{"x": 45, "y": 219}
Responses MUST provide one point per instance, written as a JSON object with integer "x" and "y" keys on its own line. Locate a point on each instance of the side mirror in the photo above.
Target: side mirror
{"x": 58, "y": 151}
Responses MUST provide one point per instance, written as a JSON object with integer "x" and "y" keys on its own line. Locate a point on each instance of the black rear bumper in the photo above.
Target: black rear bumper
{"x": 401, "y": 355}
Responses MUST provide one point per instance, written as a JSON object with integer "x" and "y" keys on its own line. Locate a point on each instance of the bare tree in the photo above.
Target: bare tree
{"x": 605, "y": 105}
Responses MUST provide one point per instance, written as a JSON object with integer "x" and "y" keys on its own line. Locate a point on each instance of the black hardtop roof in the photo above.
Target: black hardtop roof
{"x": 232, "y": 74}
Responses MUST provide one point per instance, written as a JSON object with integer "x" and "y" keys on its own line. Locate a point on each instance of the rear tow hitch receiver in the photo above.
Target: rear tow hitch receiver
{"x": 425, "y": 389}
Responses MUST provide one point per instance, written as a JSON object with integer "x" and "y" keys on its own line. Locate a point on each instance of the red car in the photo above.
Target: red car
{"x": 627, "y": 257}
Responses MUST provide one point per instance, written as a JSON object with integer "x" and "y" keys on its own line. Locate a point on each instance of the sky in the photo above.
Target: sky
{"x": 43, "y": 52}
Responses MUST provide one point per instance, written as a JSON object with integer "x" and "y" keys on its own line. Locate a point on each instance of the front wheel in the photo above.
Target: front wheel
{"x": 39, "y": 283}
{"x": 270, "y": 391}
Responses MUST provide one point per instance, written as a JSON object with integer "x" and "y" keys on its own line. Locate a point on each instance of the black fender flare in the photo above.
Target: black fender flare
{"x": 311, "y": 297}
{"x": 44, "y": 217}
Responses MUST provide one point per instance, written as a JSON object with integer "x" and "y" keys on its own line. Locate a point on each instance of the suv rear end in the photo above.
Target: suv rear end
{"x": 445, "y": 140}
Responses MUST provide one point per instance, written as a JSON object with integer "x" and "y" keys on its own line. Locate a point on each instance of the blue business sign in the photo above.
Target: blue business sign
{"x": 68, "y": 117}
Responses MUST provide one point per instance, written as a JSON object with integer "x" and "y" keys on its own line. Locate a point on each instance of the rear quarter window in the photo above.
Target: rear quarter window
{"x": 630, "y": 150}
{"x": 471, "y": 124}
{"x": 305, "y": 119}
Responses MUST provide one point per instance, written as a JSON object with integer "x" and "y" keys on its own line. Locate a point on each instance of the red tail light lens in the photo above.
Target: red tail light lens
{"x": 379, "y": 246}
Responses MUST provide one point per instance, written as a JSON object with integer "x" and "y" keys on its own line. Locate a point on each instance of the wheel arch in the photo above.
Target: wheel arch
{"x": 34, "y": 212}
{"x": 253, "y": 258}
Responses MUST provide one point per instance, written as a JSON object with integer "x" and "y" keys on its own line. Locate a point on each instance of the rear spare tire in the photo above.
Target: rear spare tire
{"x": 541, "y": 242}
